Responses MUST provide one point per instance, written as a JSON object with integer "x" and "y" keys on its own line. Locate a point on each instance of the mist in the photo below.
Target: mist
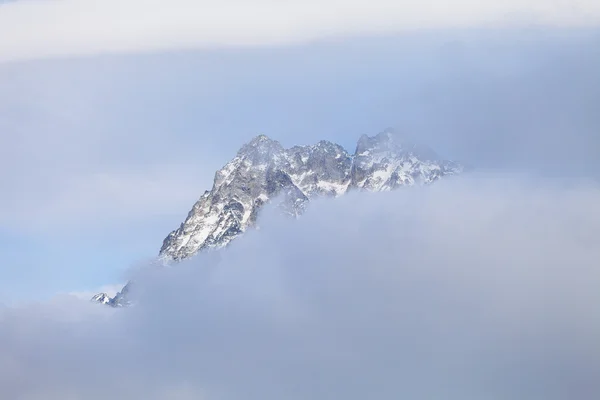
{"x": 483, "y": 286}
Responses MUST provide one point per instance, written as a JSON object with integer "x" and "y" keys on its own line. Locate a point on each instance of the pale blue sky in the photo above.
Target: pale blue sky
{"x": 103, "y": 155}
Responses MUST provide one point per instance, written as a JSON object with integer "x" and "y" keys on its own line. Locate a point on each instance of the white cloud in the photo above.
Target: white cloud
{"x": 475, "y": 288}
{"x": 36, "y": 28}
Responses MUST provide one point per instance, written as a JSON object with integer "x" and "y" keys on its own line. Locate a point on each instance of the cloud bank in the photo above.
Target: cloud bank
{"x": 37, "y": 29}
{"x": 474, "y": 288}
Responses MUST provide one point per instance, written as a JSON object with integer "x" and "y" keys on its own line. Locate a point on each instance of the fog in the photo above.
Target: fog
{"x": 480, "y": 287}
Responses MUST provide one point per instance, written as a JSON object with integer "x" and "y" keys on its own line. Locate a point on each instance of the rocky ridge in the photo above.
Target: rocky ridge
{"x": 263, "y": 170}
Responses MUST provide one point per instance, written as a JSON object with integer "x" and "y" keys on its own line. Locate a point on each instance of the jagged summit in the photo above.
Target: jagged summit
{"x": 263, "y": 170}
{"x": 101, "y": 298}
{"x": 261, "y": 148}
{"x": 261, "y": 139}
{"x": 392, "y": 141}
{"x": 120, "y": 299}
{"x": 384, "y": 140}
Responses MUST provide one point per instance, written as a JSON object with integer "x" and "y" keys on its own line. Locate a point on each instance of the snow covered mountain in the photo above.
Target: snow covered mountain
{"x": 264, "y": 170}
{"x": 102, "y": 298}
{"x": 120, "y": 299}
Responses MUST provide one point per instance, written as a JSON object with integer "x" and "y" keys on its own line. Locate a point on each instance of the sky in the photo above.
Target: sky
{"x": 115, "y": 115}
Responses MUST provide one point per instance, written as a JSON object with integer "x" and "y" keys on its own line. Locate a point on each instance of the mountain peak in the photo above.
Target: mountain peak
{"x": 263, "y": 169}
{"x": 391, "y": 141}
{"x": 261, "y": 141}
{"x": 101, "y": 298}
{"x": 260, "y": 149}
{"x": 388, "y": 134}
{"x": 383, "y": 141}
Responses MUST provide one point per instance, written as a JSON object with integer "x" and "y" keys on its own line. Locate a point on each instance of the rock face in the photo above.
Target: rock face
{"x": 101, "y": 298}
{"x": 120, "y": 299}
{"x": 263, "y": 170}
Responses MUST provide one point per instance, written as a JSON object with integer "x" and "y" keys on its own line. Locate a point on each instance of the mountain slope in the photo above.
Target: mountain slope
{"x": 263, "y": 170}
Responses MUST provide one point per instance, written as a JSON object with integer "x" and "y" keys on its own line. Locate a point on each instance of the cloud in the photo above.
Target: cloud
{"x": 65, "y": 27}
{"x": 479, "y": 287}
